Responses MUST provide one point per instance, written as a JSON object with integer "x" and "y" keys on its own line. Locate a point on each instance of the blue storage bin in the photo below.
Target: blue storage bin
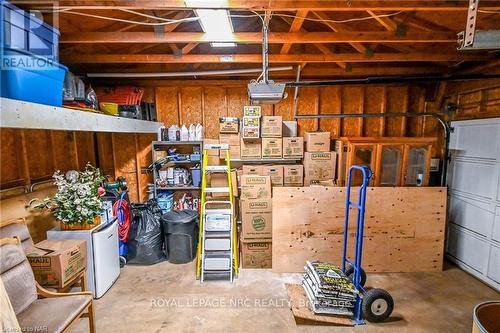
{"x": 32, "y": 78}
{"x": 23, "y": 31}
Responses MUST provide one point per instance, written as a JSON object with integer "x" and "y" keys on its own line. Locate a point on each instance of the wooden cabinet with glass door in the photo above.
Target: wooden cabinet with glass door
{"x": 395, "y": 161}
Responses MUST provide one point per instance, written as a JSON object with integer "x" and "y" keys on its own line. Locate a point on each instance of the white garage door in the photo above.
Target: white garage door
{"x": 473, "y": 240}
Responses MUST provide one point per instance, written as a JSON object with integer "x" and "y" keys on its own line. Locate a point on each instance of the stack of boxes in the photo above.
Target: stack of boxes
{"x": 256, "y": 221}
{"x": 259, "y": 138}
{"x": 319, "y": 161}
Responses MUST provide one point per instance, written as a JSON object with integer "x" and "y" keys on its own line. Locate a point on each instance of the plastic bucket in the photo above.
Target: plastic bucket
{"x": 486, "y": 317}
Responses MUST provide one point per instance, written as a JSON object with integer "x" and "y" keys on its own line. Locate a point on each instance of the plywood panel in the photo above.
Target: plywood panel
{"x": 11, "y": 164}
{"x": 167, "y": 108}
{"x": 397, "y": 102}
{"x": 65, "y": 157}
{"x": 374, "y": 102}
{"x": 190, "y": 110}
{"x": 352, "y": 102}
{"x": 285, "y": 107}
{"x": 144, "y": 160}
{"x": 215, "y": 106}
{"x": 416, "y": 104}
{"x": 330, "y": 102}
{"x": 308, "y": 224}
{"x": 125, "y": 161}
{"x": 40, "y": 151}
{"x": 86, "y": 149}
{"x": 308, "y": 104}
{"x": 105, "y": 153}
{"x": 237, "y": 97}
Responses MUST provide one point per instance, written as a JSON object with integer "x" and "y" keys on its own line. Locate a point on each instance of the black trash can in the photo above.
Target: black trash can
{"x": 181, "y": 235}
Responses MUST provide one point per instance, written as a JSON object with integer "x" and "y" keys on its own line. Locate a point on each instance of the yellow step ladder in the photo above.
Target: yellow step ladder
{"x": 217, "y": 253}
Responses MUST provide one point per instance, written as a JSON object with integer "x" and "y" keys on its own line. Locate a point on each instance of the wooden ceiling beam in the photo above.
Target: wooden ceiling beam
{"x": 321, "y": 47}
{"x": 256, "y": 37}
{"x": 310, "y": 72}
{"x": 295, "y": 27}
{"x": 273, "y": 58}
{"x": 386, "y": 22}
{"x": 277, "y": 5}
{"x": 339, "y": 28}
{"x": 422, "y": 24}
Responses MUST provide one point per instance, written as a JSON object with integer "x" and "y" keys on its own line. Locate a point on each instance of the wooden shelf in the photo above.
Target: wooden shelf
{"x": 267, "y": 160}
{"x": 20, "y": 114}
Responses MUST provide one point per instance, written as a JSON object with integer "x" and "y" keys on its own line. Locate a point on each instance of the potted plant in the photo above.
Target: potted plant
{"x": 77, "y": 204}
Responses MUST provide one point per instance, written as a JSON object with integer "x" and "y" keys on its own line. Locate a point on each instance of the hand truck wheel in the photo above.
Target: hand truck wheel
{"x": 349, "y": 272}
{"x": 377, "y": 305}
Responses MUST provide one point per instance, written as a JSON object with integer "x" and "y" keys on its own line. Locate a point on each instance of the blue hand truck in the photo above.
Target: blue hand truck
{"x": 374, "y": 305}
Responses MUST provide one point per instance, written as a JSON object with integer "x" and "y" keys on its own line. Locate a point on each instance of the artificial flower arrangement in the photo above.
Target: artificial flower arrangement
{"x": 77, "y": 201}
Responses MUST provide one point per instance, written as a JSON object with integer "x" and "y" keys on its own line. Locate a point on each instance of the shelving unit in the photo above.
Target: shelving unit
{"x": 20, "y": 114}
{"x": 157, "y": 146}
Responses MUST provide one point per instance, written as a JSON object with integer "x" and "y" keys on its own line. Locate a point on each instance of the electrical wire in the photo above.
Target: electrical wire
{"x": 322, "y": 20}
{"x": 166, "y": 21}
{"x": 488, "y": 11}
{"x": 189, "y": 19}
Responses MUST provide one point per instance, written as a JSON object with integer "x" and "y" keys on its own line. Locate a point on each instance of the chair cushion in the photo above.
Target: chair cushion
{"x": 20, "y": 230}
{"x": 17, "y": 276}
{"x": 52, "y": 314}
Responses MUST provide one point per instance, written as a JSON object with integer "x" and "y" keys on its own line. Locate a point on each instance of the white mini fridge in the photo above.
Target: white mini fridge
{"x": 103, "y": 260}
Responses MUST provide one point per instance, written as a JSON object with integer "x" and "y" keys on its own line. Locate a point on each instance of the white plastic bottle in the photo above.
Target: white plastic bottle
{"x": 172, "y": 133}
{"x": 184, "y": 133}
{"x": 192, "y": 132}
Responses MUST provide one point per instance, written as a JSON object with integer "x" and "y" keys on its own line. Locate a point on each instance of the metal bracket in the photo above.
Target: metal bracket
{"x": 466, "y": 38}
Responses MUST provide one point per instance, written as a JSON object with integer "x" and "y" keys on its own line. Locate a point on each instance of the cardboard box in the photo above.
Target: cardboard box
{"x": 293, "y": 175}
{"x": 250, "y": 132}
{"x": 233, "y": 140}
{"x": 251, "y": 149}
{"x": 256, "y": 254}
{"x": 271, "y": 127}
{"x": 319, "y": 166}
{"x": 253, "y": 170}
{"x": 293, "y": 147}
{"x": 275, "y": 172}
{"x": 255, "y": 187}
{"x": 256, "y": 218}
{"x": 220, "y": 180}
{"x": 57, "y": 262}
{"x": 317, "y": 141}
{"x": 251, "y": 121}
{"x": 252, "y": 111}
{"x": 229, "y": 125}
{"x": 289, "y": 129}
{"x": 272, "y": 148}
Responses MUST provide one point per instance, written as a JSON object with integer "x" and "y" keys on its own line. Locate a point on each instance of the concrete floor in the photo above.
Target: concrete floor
{"x": 167, "y": 298}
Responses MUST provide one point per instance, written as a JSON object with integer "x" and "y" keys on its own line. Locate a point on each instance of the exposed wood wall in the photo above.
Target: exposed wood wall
{"x": 29, "y": 156}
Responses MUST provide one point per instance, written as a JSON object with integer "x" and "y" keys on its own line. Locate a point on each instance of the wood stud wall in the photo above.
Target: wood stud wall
{"x": 29, "y": 156}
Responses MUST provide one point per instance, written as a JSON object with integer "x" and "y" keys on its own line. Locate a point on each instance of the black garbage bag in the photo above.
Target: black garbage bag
{"x": 145, "y": 244}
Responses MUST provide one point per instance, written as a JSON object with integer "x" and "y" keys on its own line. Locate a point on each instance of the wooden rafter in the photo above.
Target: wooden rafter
{"x": 422, "y": 24}
{"x": 338, "y": 28}
{"x": 295, "y": 27}
{"x": 256, "y": 37}
{"x": 321, "y": 47}
{"x": 273, "y": 58}
{"x": 386, "y": 22}
{"x": 283, "y": 5}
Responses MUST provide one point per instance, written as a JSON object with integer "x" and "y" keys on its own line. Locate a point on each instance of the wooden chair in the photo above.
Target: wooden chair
{"x": 35, "y": 307}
